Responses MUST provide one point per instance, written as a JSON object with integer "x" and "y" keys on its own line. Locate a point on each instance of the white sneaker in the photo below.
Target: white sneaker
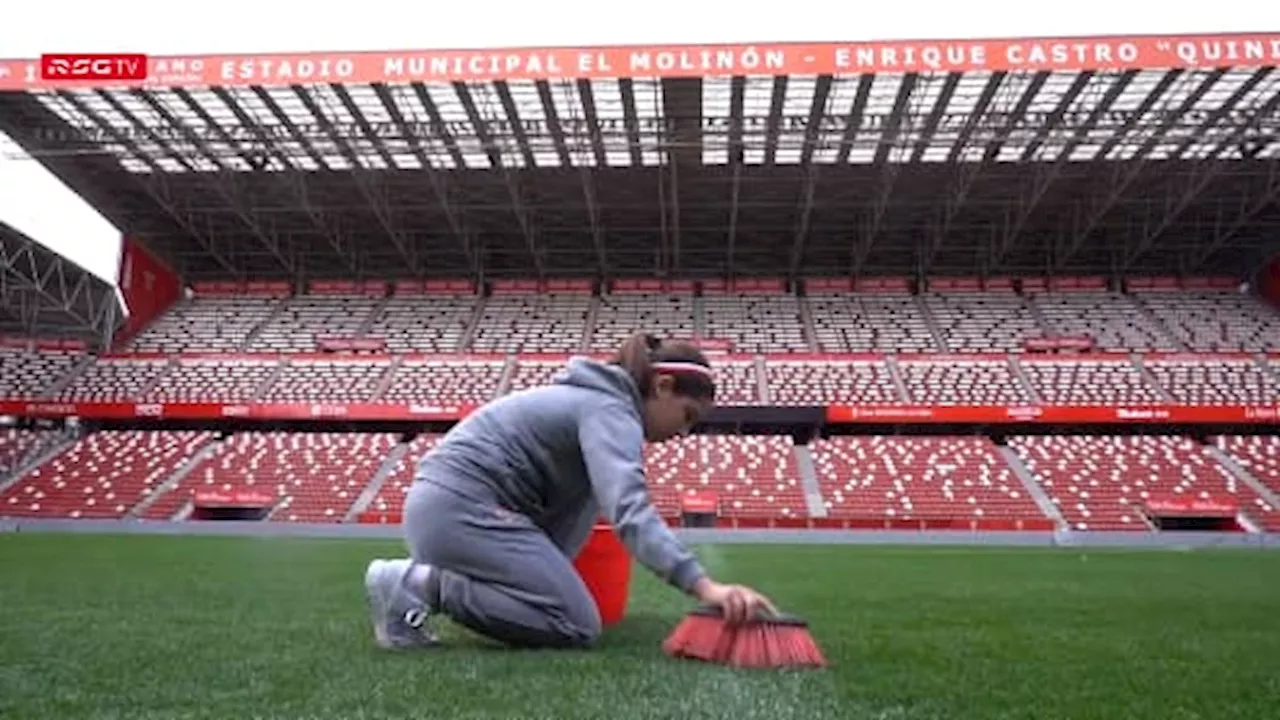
{"x": 399, "y": 618}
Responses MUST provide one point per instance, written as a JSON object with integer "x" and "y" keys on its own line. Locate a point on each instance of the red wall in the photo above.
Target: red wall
{"x": 149, "y": 288}
{"x": 1269, "y": 281}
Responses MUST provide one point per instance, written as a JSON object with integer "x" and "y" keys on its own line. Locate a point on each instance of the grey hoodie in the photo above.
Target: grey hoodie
{"x": 564, "y": 454}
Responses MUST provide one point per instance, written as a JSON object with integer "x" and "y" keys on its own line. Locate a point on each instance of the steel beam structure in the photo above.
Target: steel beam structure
{"x": 331, "y": 178}
{"x": 44, "y": 281}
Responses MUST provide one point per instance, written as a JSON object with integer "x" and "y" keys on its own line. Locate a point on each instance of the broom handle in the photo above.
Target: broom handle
{"x": 762, "y": 615}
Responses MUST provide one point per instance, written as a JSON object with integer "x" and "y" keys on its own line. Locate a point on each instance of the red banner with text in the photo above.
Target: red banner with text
{"x": 558, "y": 63}
{"x": 869, "y": 414}
{"x": 234, "y": 498}
{"x": 1175, "y": 507}
{"x": 1053, "y": 414}
{"x": 242, "y": 411}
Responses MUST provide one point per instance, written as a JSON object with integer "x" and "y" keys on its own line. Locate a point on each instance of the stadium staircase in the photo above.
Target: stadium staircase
{"x": 589, "y": 323}
{"x": 939, "y": 338}
{"x": 699, "y": 316}
{"x": 1037, "y": 312}
{"x": 809, "y": 481}
{"x": 895, "y": 372}
{"x": 374, "y": 313}
{"x": 1147, "y": 377}
{"x": 74, "y": 374}
{"x": 1156, "y": 320}
{"x": 1015, "y": 369}
{"x": 1236, "y": 470}
{"x": 388, "y": 466}
{"x": 508, "y": 374}
{"x": 174, "y": 480}
{"x": 1032, "y": 485}
{"x": 278, "y": 307}
{"x": 762, "y": 381}
{"x": 261, "y": 391}
{"x": 806, "y": 324}
{"x": 50, "y": 445}
{"x": 473, "y": 322}
{"x": 380, "y": 390}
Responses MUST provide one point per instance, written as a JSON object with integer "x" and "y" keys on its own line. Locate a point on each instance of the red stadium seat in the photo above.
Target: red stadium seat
{"x": 925, "y": 478}
{"x": 754, "y": 476}
{"x": 103, "y": 475}
{"x": 317, "y": 477}
{"x": 1101, "y": 483}
{"x": 823, "y": 382}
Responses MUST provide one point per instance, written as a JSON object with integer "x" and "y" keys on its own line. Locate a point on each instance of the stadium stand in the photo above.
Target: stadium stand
{"x": 300, "y": 321}
{"x": 445, "y": 381}
{"x": 941, "y": 478}
{"x": 737, "y": 382}
{"x": 964, "y": 381}
{"x": 755, "y": 323}
{"x": 618, "y": 316}
{"x": 311, "y": 380}
{"x": 1103, "y": 482}
{"x": 17, "y": 445}
{"x": 857, "y": 322}
{"x": 424, "y": 325}
{"x": 28, "y": 374}
{"x": 238, "y": 379}
{"x": 115, "y": 379}
{"x": 970, "y": 280}
{"x": 314, "y": 477}
{"x": 1102, "y": 381}
{"x": 1216, "y": 321}
{"x": 204, "y": 324}
{"x": 1113, "y": 320}
{"x": 830, "y": 381}
{"x": 1215, "y": 380}
{"x": 390, "y": 495}
{"x": 1260, "y": 457}
{"x": 981, "y": 322}
{"x": 532, "y": 323}
{"x": 103, "y": 475}
{"x": 751, "y": 475}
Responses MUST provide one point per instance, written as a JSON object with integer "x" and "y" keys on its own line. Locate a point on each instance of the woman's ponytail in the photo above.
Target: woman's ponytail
{"x": 640, "y": 351}
{"x": 636, "y": 357}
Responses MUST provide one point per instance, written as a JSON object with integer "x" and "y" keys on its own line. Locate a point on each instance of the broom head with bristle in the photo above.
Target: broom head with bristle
{"x": 766, "y": 641}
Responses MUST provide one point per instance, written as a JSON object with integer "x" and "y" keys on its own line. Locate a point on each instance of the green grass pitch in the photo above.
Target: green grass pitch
{"x": 170, "y": 628}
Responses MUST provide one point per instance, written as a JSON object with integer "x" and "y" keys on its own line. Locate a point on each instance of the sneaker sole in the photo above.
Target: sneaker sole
{"x": 377, "y": 604}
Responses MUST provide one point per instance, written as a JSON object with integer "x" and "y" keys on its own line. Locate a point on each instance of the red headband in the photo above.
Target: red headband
{"x": 684, "y": 367}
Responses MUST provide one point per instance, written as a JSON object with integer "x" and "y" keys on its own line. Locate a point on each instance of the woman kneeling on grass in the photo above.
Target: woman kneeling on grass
{"x": 499, "y": 509}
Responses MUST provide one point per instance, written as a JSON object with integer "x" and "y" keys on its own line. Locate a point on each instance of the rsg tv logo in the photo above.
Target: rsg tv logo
{"x": 100, "y": 67}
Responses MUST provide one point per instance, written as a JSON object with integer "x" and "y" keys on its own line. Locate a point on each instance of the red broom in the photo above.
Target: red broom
{"x": 766, "y": 641}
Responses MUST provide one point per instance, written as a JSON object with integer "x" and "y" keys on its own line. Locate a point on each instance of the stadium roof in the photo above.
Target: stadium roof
{"x": 43, "y": 293}
{"x": 1083, "y": 155}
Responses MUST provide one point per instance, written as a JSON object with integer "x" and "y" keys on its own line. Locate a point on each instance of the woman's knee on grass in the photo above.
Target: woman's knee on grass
{"x": 578, "y": 627}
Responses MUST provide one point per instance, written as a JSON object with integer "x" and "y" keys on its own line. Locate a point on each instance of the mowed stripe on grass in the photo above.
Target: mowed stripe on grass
{"x": 198, "y": 627}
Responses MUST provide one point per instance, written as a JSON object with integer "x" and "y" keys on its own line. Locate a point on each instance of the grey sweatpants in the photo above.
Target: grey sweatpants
{"x": 497, "y": 573}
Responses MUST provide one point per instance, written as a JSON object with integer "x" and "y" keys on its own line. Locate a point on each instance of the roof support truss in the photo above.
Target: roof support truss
{"x": 1046, "y": 173}
{"x": 90, "y": 304}
{"x": 435, "y": 179}
{"x": 479, "y": 114}
{"x": 1126, "y": 173}
{"x": 963, "y": 175}
{"x": 1249, "y": 208}
{"x": 1206, "y": 172}
{"x": 369, "y": 188}
{"x": 224, "y": 183}
{"x": 154, "y": 185}
{"x": 294, "y": 182}
{"x": 736, "y": 151}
